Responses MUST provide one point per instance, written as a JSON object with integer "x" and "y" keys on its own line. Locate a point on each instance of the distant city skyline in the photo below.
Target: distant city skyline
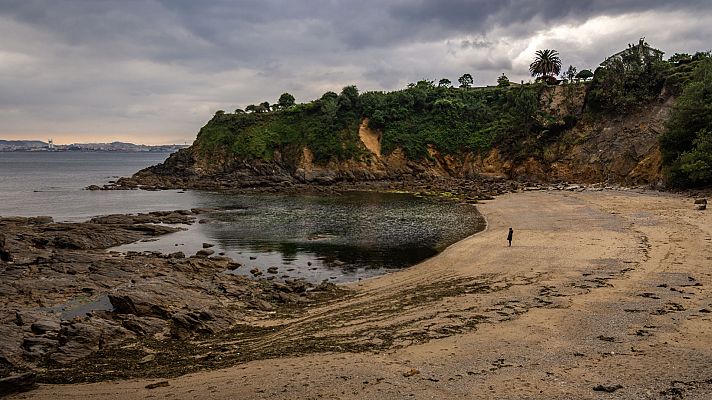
{"x": 71, "y": 139}
{"x": 154, "y": 71}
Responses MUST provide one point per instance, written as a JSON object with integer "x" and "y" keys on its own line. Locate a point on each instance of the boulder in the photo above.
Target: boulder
{"x": 43, "y": 326}
{"x": 17, "y": 383}
{"x": 205, "y": 253}
{"x": 143, "y": 326}
{"x": 198, "y": 210}
{"x": 40, "y": 220}
{"x": 187, "y": 323}
{"x": 177, "y": 254}
{"x": 207, "y": 245}
{"x": 289, "y": 298}
{"x": 142, "y": 304}
{"x": 39, "y": 346}
{"x": 81, "y": 338}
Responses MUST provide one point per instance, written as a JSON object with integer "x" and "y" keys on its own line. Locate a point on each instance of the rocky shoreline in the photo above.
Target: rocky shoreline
{"x": 66, "y": 298}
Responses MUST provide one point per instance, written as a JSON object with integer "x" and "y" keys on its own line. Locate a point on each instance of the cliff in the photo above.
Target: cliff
{"x": 576, "y": 132}
{"x": 615, "y": 149}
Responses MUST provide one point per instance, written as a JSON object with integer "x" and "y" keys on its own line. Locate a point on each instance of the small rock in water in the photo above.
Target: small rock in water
{"x": 207, "y": 245}
{"x": 272, "y": 270}
{"x": 256, "y": 272}
{"x": 253, "y": 258}
{"x": 204, "y": 253}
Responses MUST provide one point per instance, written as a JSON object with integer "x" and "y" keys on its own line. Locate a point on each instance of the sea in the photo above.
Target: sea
{"x": 338, "y": 238}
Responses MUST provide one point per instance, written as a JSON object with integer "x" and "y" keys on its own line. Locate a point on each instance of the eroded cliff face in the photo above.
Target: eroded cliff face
{"x": 593, "y": 148}
{"x": 598, "y": 148}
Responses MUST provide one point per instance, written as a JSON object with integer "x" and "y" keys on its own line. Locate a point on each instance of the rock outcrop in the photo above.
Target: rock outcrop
{"x": 63, "y": 297}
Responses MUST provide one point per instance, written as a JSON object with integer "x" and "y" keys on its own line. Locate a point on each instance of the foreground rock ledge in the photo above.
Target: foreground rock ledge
{"x": 65, "y": 299}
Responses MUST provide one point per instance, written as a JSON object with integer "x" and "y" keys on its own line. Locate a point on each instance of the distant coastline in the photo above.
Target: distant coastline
{"x": 40, "y": 146}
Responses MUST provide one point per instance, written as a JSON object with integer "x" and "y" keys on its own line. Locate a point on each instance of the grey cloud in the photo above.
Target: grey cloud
{"x": 163, "y": 66}
{"x": 475, "y": 44}
{"x": 465, "y": 15}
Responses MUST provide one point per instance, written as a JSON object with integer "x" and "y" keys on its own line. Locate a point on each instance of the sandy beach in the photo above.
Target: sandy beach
{"x": 602, "y": 295}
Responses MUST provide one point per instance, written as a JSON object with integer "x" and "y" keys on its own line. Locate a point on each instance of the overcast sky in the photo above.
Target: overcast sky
{"x": 155, "y": 71}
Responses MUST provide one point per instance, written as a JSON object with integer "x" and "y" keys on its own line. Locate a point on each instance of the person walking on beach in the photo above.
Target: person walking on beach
{"x": 509, "y": 236}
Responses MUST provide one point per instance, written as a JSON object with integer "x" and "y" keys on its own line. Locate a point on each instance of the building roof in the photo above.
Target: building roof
{"x": 641, "y": 50}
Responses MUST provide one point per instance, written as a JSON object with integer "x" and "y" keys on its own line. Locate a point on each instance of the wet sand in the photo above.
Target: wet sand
{"x": 602, "y": 295}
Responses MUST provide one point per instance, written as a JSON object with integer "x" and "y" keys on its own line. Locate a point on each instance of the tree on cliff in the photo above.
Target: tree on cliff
{"x": 680, "y": 58}
{"x": 546, "y": 63}
{"x": 584, "y": 74}
{"x": 466, "y": 81}
{"x": 570, "y": 74}
{"x": 627, "y": 82}
{"x": 686, "y": 145}
{"x": 503, "y": 81}
{"x": 444, "y": 83}
{"x": 348, "y": 99}
{"x": 263, "y": 107}
{"x": 286, "y": 100}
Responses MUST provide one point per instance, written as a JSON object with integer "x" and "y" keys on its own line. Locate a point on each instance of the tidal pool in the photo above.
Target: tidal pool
{"x": 339, "y": 238}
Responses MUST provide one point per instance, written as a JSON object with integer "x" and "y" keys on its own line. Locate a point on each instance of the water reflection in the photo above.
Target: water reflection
{"x": 339, "y": 238}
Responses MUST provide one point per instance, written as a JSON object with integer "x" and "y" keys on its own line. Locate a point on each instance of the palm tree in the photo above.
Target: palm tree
{"x": 546, "y": 63}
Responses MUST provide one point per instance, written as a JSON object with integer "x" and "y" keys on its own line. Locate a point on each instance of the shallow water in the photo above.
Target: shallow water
{"x": 52, "y": 183}
{"x": 336, "y": 238}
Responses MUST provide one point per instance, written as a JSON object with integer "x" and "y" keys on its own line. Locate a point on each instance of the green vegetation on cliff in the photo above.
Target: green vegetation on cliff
{"x": 328, "y": 126}
{"x": 451, "y": 120}
{"x": 467, "y": 120}
{"x": 687, "y": 143}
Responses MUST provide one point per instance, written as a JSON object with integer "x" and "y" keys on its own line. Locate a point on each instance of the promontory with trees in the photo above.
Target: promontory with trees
{"x": 637, "y": 119}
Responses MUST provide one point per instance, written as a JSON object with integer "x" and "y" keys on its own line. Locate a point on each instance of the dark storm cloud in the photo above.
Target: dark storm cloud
{"x": 124, "y": 66}
{"x": 474, "y": 15}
